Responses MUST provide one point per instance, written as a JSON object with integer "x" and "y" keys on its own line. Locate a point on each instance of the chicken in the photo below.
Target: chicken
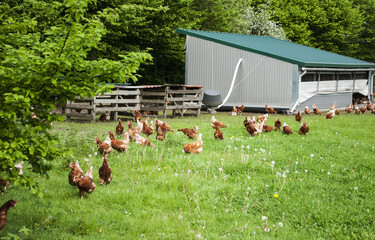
{"x": 166, "y": 127}
{"x": 194, "y": 147}
{"x": 75, "y": 172}
{"x": 332, "y": 107}
{"x": 278, "y": 124}
{"x": 131, "y": 131}
{"x": 215, "y": 123}
{"x": 160, "y": 134}
{"x": 267, "y": 128}
{"x": 349, "y": 109}
{"x": 105, "y": 172}
{"x": 105, "y": 117}
{"x": 142, "y": 141}
{"x": 119, "y": 128}
{"x": 4, "y": 212}
{"x": 85, "y": 183}
{"x": 218, "y": 134}
{"x": 139, "y": 127}
{"x": 251, "y": 129}
{"x": 234, "y": 110}
{"x": 373, "y": 109}
{"x": 307, "y": 110}
{"x": 146, "y": 129}
{"x": 191, "y": 133}
{"x": 270, "y": 109}
{"x": 363, "y": 109}
{"x": 286, "y": 129}
{"x": 298, "y": 117}
{"x": 241, "y": 108}
{"x": 316, "y": 110}
{"x": 337, "y": 112}
{"x": 119, "y": 145}
{"x": 330, "y": 114}
{"x": 304, "y": 129}
{"x": 137, "y": 116}
{"x": 357, "y": 111}
{"x": 262, "y": 118}
{"x": 157, "y": 123}
{"x": 3, "y": 185}
{"x": 368, "y": 106}
{"x": 104, "y": 147}
{"x": 247, "y": 121}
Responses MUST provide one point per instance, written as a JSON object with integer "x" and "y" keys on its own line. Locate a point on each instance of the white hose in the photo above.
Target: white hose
{"x": 231, "y": 86}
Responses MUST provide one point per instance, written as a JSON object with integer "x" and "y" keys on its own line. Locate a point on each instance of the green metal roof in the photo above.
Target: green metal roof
{"x": 301, "y": 55}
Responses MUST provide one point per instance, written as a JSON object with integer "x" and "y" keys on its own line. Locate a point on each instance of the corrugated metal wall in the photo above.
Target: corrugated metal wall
{"x": 322, "y": 101}
{"x": 260, "y": 80}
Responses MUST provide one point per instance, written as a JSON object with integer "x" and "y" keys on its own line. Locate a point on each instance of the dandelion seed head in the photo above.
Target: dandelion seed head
{"x": 266, "y": 229}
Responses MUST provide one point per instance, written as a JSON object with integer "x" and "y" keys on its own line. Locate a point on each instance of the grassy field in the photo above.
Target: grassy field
{"x": 319, "y": 186}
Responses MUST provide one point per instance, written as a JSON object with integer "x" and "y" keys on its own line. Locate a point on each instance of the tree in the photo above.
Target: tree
{"x": 44, "y": 49}
{"x": 258, "y": 21}
{"x": 366, "y": 39}
{"x": 330, "y": 25}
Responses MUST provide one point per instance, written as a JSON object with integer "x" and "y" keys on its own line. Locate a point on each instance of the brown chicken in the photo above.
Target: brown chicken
{"x": 119, "y": 145}
{"x": 247, "y": 121}
{"x": 363, "y": 109}
{"x": 357, "y": 111}
{"x": 85, "y": 183}
{"x": 75, "y": 172}
{"x": 105, "y": 172}
{"x": 270, "y": 109}
{"x": 215, "y": 123}
{"x": 4, "y": 212}
{"x": 131, "y": 131}
{"x": 349, "y": 109}
{"x": 304, "y": 129}
{"x": 286, "y": 129}
{"x": 330, "y": 114}
{"x": 234, "y": 110}
{"x": 119, "y": 128}
{"x": 332, "y": 107}
{"x": 316, "y": 110}
{"x": 368, "y": 106}
{"x": 298, "y": 117}
{"x": 194, "y": 147}
{"x": 160, "y": 134}
{"x": 218, "y": 134}
{"x": 166, "y": 127}
{"x": 147, "y": 130}
{"x": 278, "y": 124}
{"x": 241, "y": 108}
{"x": 307, "y": 110}
{"x": 137, "y": 116}
{"x": 262, "y": 118}
{"x": 142, "y": 141}
{"x": 104, "y": 147}
{"x": 105, "y": 117}
{"x": 267, "y": 128}
{"x": 3, "y": 185}
{"x": 191, "y": 133}
{"x": 337, "y": 112}
{"x": 251, "y": 129}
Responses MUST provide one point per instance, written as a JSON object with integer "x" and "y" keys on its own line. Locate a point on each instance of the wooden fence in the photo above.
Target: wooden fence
{"x": 153, "y": 100}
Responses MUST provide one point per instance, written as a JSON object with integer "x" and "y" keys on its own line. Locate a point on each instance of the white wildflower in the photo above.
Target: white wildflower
{"x": 264, "y": 218}
{"x": 96, "y": 153}
{"x": 176, "y": 174}
{"x": 328, "y": 173}
{"x": 180, "y": 217}
{"x": 311, "y": 155}
{"x": 266, "y": 229}
{"x": 281, "y": 224}
{"x": 355, "y": 188}
{"x": 220, "y": 169}
{"x": 90, "y": 155}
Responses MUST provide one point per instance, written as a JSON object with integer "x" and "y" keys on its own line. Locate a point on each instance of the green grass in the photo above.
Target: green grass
{"x": 324, "y": 182}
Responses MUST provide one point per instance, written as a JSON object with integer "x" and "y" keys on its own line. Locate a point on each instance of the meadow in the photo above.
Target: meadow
{"x": 270, "y": 186}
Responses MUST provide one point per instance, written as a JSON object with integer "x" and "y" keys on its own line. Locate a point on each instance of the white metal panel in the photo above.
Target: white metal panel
{"x": 261, "y": 79}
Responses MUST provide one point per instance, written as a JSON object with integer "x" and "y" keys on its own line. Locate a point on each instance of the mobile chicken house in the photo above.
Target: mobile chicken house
{"x": 266, "y": 70}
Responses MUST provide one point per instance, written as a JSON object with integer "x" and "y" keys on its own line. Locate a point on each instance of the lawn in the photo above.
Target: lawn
{"x": 318, "y": 186}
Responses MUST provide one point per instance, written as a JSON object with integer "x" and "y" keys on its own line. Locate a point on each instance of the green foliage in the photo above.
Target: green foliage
{"x": 330, "y": 25}
{"x": 324, "y": 184}
{"x": 44, "y": 61}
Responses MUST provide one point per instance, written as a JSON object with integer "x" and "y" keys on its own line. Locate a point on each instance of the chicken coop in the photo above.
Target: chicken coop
{"x": 265, "y": 70}
{"x": 150, "y": 100}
